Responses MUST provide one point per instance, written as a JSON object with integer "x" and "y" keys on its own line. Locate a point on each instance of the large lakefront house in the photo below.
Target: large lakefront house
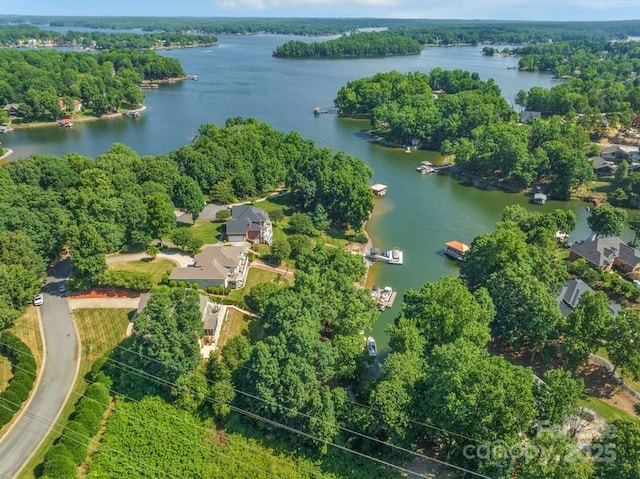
{"x": 248, "y": 223}
{"x": 217, "y": 265}
{"x": 605, "y": 253}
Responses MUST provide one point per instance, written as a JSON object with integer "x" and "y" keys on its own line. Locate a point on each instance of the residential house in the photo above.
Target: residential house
{"x": 570, "y": 295}
{"x": 248, "y": 223}
{"x": 212, "y": 314}
{"x": 603, "y": 167}
{"x": 615, "y": 154}
{"x": 217, "y": 265}
{"x": 607, "y": 252}
{"x": 528, "y": 116}
{"x": 12, "y": 109}
{"x": 77, "y": 105}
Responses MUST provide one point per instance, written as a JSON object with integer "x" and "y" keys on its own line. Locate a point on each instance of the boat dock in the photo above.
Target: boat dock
{"x": 379, "y": 189}
{"x": 393, "y": 256}
{"x": 384, "y": 297}
{"x": 456, "y": 250}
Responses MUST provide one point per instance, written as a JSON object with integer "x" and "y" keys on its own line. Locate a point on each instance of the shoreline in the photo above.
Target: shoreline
{"x": 6, "y": 155}
{"x": 84, "y": 119}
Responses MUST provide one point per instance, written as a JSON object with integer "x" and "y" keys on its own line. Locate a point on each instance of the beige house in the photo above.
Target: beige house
{"x": 217, "y": 265}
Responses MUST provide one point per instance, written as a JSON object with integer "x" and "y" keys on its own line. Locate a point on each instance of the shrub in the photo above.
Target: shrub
{"x": 76, "y": 439}
{"x": 59, "y": 463}
{"x": 10, "y": 400}
{"x": 223, "y": 215}
{"x": 20, "y": 390}
{"x": 134, "y": 280}
{"x": 165, "y": 279}
{"x": 195, "y": 286}
{"x": 98, "y": 392}
{"x": 89, "y": 418}
{"x": 360, "y": 237}
{"x": 173, "y": 283}
{"x": 300, "y": 223}
{"x": 182, "y": 284}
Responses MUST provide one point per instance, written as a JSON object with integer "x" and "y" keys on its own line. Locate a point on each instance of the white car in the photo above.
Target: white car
{"x": 636, "y": 283}
{"x": 38, "y": 300}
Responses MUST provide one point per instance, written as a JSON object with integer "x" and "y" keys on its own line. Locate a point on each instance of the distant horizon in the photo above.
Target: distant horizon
{"x": 462, "y": 10}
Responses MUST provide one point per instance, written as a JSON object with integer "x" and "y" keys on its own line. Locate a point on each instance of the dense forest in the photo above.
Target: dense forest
{"x": 469, "y": 119}
{"x": 354, "y": 45}
{"x": 302, "y": 384}
{"x": 26, "y": 35}
{"x": 96, "y": 207}
{"x": 36, "y": 81}
{"x": 444, "y": 32}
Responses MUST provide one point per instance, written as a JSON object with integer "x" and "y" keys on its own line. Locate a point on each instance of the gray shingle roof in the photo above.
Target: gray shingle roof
{"x": 602, "y": 251}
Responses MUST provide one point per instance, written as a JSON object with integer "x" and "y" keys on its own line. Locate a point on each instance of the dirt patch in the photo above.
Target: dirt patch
{"x": 105, "y": 293}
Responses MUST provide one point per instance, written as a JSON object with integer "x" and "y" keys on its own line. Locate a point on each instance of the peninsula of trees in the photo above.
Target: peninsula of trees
{"x": 47, "y": 85}
{"x": 30, "y": 36}
{"x": 469, "y": 119}
{"x": 355, "y": 45}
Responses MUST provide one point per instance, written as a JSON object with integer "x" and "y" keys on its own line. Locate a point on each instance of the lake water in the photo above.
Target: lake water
{"x": 239, "y": 77}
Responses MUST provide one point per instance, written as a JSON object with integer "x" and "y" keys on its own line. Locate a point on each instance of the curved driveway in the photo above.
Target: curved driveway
{"x": 56, "y": 382}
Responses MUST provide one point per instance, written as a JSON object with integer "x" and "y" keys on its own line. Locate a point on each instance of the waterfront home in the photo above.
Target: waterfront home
{"x": 217, "y": 265}
{"x": 603, "y": 167}
{"x": 456, "y": 250}
{"x": 570, "y": 295}
{"x": 605, "y": 253}
{"x": 248, "y": 223}
{"x": 212, "y": 315}
{"x": 12, "y": 109}
{"x": 539, "y": 199}
{"x": 615, "y": 154}
{"x": 379, "y": 189}
{"x": 77, "y": 105}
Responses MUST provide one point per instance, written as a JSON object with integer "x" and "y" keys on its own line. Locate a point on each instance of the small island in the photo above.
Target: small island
{"x": 363, "y": 44}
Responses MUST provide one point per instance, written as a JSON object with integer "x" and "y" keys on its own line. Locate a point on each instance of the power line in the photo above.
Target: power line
{"x": 127, "y": 368}
{"x": 372, "y": 408}
{"x": 429, "y": 458}
{"x": 43, "y": 420}
{"x": 174, "y": 434}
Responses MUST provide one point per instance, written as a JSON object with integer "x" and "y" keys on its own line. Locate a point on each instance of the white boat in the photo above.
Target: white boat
{"x": 394, "y": 256}
{"x": 372, "y": 348}
{"x": 408, "y": 150}
{"x": 425, "y": 169}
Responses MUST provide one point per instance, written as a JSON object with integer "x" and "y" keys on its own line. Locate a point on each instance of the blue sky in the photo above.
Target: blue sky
{"x": 459, "y": 9}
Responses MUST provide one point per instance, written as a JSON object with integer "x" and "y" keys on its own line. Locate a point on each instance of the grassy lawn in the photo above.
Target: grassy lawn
{"x": 156, "y": 268}
{"x": 100, "y": 331}
{"x": 208, "y": 231}
{"x": 607, "y": 411}
{"x": 235, "y": 325}
{"x": 256, "y": 276}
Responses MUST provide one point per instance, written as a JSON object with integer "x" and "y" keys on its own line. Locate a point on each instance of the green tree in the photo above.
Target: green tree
{"x": 188, "y": 197}
{"x": 445, "y": 311}
{"x": 621, "y": 458}
{"x": 558, "y": 457}
{"x": 160, "y": 216}
{"x": 276, "y": 216}
{"x": 623, "y": 343}
{"x": 558, "y": 395}
{"x": 468, "y": 391}
{"x": 223, "y": 215}
{"x": 301, "y": 223}
{"x": 280, "y": 249}
{"x": 181, "y": 237}
{"x": 634, "y": 225}
{"x": 587, "y": 327}
{"x": 88, "y": 253}
{"x": 606, "y": 220}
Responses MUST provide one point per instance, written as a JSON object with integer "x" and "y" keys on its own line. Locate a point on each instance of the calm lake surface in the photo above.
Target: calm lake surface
{"x": 239, "y": 77}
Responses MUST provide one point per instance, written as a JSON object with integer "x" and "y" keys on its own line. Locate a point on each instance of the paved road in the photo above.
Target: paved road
{"x": 58, "y": 376}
